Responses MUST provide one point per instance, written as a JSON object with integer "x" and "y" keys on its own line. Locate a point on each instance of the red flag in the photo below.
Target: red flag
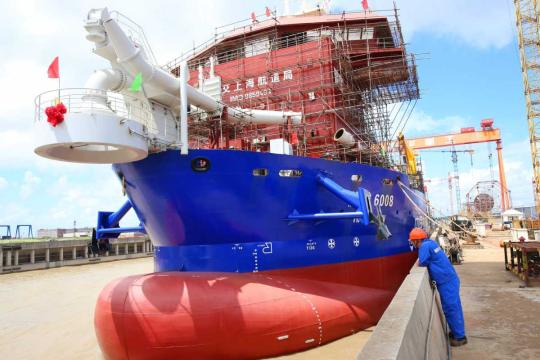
{"x": 253, "y": 17}
{"x": 54, "y": 69}
{"x": 365, "y": 4}
{"x": 268, "y": 12}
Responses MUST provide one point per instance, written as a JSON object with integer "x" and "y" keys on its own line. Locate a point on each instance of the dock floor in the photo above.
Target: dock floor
{"x": 49, "y": 314}
{"x": 501, "y": 318}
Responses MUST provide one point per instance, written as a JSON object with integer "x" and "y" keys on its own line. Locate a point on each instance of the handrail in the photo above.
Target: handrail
{"x": 79, "y": 100}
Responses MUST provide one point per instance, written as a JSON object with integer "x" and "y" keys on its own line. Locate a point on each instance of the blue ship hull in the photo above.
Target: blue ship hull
{"x": 226, "y": 219}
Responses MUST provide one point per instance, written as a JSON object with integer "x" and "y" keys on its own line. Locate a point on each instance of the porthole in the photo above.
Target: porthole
{"x": 200, "y": 164}
{"x": 260, "y": 172}
{"x": 290, "y": 173}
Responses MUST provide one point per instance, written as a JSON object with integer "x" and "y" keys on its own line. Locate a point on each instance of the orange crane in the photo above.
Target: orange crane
{"x": 468, "y": 136}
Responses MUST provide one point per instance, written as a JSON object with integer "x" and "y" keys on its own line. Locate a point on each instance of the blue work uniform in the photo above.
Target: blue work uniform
{"x": 442, "y": 272}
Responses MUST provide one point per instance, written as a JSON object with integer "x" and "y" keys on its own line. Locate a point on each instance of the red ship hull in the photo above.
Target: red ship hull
{"x": 182, "y": 315}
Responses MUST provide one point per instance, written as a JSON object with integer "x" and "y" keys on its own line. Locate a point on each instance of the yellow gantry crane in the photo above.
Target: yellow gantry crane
{"x": 528, "y": 24}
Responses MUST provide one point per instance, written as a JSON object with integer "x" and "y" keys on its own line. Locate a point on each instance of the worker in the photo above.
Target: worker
{"x": 442, "y": 272}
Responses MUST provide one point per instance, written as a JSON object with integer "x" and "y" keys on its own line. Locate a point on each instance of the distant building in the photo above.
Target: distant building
{"x": 51, "y": 233}
{"x": 529, "y": 212}
{"x": 64, "y": 233}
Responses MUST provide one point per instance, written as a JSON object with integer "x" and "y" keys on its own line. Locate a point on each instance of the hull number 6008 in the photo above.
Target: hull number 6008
{"x": 383, "y": 200}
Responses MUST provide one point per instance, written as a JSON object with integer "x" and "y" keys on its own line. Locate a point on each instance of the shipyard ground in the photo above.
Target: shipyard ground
{"x": 48, "y": 314}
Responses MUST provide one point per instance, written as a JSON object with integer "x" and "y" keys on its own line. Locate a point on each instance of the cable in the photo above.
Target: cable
{"x": 441, "y": 224}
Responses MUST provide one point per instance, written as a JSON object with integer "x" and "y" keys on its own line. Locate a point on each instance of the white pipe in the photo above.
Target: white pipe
{"x": 183, "y": 109}
{"x": 344, "y": 137}
{"x": 106, "y": 79}
{"x": 99, "y": 83}
{"x": 132, "y": 60}
{"x": 212, "y": 64}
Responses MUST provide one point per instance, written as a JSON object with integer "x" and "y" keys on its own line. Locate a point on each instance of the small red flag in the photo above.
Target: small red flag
{"x": 54, "y": 69}
{"x": 268, "y": 12}
{"x": 253, "y": 17}
{"x": 365, "y": 4}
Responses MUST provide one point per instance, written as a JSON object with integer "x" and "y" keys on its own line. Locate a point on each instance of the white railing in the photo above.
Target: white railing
{"x": 93, "y": 100}
{"x": 135, "y": 32}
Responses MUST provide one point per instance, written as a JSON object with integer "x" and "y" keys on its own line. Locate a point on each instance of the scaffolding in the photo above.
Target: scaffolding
{"x": 528, "y": 24}
{"x": 341, "y": 71}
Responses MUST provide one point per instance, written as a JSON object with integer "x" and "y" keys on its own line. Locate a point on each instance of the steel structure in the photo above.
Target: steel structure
{"x": 18, "y": 231}
{"x": 346, "y": 71}
{"x": 487, "y": 134}
{"x": 528, "y": 24}
{"x": 8, "y": 232}
{"x": 482, "y": 200}
{"x": 456, "y": 174}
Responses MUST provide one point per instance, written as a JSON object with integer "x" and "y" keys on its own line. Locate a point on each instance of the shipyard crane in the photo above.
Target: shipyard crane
{"x": 466, "y": 136}
{"x": 455, "y": 176}
{"x": 528, "y": 26}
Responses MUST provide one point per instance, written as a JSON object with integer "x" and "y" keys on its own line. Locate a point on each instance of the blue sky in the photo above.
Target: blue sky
{"x": 469, "y": 71}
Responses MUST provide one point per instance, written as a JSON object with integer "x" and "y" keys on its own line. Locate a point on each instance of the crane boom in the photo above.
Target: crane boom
{"x": 487, "y": 134}
{"x": 528, "y": 25}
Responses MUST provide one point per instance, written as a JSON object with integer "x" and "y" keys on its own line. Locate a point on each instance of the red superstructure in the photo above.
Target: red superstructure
{"x": 340, "y": 71}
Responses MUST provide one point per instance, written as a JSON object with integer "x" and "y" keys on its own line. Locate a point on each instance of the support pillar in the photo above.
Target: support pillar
{"x": 16, "y": 260}
{"x": 1, "y": 257}
{"x": 86, "y": 252}
{"x": 8, "y": 259}
{"x": 505, "y": 201}
{"x": 127, "y": 248}
{"x": 47, "y": 255}
{"x": 74, "y": 253}
{"x": 32, "y": 256}
{"x": 61, "y": 256}
{"x": 116, "y": 249}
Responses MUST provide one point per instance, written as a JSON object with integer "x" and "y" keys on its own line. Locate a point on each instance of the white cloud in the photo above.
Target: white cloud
{"x": 420, "y": 123}
{"x": 476, "y": 23}
{"x": 3, "y": 183}
{"x": 29, "y": 184}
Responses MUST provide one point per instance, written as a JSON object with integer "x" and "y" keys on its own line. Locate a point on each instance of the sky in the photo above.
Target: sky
{"x": 468, "y": 70}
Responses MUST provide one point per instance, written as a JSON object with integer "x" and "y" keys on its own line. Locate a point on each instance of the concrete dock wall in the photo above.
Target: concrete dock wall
{"x": 413, "y": 325}
{"x": 22, "y": 256}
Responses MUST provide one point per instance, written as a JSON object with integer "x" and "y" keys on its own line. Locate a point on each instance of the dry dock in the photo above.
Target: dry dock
{"x": 48, "y": 314}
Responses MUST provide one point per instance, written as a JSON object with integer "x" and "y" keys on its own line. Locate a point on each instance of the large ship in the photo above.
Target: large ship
{"x": 261, "y": 166}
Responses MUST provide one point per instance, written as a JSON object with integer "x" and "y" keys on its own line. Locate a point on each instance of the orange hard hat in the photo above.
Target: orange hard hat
{"x": 418, "y": 234}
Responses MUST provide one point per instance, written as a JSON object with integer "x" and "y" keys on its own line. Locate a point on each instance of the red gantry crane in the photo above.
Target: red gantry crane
{"x": 468, "y": 136}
